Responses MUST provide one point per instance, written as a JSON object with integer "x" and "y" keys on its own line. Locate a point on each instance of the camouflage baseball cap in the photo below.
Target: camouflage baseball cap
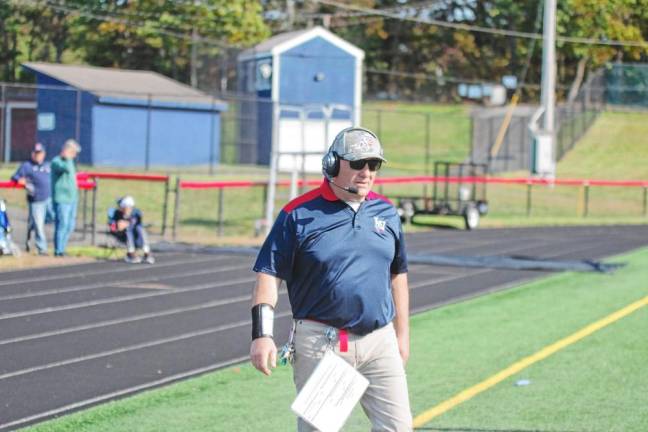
{"x": 355, "y": 143}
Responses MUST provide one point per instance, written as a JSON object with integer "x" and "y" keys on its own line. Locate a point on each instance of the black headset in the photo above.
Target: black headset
{"x": 331, "y": 164}
{"x": 331, "y": 160}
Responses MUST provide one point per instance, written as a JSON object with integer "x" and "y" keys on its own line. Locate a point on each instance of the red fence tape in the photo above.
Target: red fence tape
{"x": 226, "y": 184}
{"x": 85, "y": 183}
{"x": 429, "y": 179}
{"x": 122, "y": 176}
{"x": 10, "y": 185}
{"x": 82, "y": 184}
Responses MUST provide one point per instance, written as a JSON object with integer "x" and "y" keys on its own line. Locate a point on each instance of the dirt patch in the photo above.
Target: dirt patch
{"x": 26, "y": 261}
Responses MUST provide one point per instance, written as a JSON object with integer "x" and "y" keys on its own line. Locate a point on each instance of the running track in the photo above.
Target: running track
{"x": 75, "y": 336}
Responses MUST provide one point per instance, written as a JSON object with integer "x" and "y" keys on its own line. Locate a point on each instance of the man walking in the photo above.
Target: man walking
{"x": 35, "y": 174}
{"x": 340, "y": 248}
{"x": 64, "y": 194}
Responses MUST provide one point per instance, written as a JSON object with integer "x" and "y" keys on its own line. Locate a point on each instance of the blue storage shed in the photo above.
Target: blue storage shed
{"x": 125, "y": 117}
{"x": 305, "y": 68}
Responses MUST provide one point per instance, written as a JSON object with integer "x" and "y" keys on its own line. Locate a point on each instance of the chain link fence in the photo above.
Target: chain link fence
{"x": 512, "y": 151}
{"x": 627, "y": 85}
{"x": 414, "y": 135}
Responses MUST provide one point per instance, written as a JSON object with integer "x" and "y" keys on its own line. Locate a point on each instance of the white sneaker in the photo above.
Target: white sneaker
{"x": 133, "y": 259}
{"x": 148, "y": 259}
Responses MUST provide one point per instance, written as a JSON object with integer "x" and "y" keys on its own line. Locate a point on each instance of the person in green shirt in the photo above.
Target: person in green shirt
{"x": 65, "y": 194}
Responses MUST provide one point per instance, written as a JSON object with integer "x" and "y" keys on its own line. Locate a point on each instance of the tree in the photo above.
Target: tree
{"x": 9, "y": 30}
{"x": 603, "y": 20}
{"x": 150, "y": 34}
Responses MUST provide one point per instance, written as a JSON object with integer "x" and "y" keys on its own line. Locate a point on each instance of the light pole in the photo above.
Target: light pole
{"x": 546, "y": 152}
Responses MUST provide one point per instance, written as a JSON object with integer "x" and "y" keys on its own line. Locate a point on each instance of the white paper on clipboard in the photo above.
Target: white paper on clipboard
{"x": 329, "y": 395}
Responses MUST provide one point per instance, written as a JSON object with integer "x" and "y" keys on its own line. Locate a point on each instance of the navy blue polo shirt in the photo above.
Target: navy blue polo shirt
{"x": 37, "y": 180}
{"x": 337, "y": 263}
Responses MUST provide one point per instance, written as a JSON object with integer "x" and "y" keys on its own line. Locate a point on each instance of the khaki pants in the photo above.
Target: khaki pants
{"x": 376, "y": 356}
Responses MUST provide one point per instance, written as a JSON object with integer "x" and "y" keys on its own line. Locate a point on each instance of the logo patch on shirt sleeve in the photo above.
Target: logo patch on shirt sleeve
{"x": 380, "y": 224}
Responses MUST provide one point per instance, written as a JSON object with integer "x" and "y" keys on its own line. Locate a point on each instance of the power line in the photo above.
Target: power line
{"x": 480, "y": 29}
{"x": 358, "y": 14}
{"x": 362, "y": 18}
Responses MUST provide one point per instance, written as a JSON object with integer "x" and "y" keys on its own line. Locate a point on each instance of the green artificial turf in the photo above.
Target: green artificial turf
{"x": 596, "y": 384}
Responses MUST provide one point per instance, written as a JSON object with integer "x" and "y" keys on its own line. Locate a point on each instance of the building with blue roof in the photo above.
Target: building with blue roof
{"x": 125, "y": 117}
{"x": 292, "y": 72}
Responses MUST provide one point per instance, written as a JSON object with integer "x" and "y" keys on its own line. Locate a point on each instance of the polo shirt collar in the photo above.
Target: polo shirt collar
{"x": 327, "y": 192}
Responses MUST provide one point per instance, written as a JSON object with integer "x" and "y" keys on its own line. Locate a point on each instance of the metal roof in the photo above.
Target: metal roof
{"x": 268, "y": 44}
{"x": 284, "y": 41}
{"x": 114, "y": 84}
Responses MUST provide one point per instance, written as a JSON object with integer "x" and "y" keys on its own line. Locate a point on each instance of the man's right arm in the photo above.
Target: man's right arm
{"x": 263, "y": 351}
{"x": 19, "y": 175}
{"x": 59, "y": 165}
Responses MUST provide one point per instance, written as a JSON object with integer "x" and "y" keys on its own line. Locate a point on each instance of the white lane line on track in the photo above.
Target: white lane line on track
{"x": 123, "y": 392}
{"x": 124, "y": 320}
{"x": 487, "y": 245}
{"x": 420, "y": 268}
{"x": 135, "y": 347}
{"x": 522, "y": 248}
{"x": 206, "y": 286}
{"x": 175, "y": 311}
{"x": 118, "y": 283}
{"x": 178, "y": 291}
{"x": 126, "y": 298}
{"x": 421, "y": 284}
{"x": 107, "y": 323}
{"x": 475, "y": 294}
{"x": 507, "y": 285}
{"x": 77, "y": 265}
{"x": 123, "y": 268}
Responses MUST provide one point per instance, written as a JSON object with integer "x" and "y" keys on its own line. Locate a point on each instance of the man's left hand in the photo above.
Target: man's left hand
{"x": 122, "y": 225}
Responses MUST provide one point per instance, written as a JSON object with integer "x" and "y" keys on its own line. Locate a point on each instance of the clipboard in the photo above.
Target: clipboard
{"x": 329, "y": 395}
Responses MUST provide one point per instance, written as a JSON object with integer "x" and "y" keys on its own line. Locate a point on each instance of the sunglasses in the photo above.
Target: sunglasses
{"x": 374, "y": 164}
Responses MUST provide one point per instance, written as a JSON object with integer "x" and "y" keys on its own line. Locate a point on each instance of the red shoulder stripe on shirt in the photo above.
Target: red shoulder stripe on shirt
{"x": 374, "y": 195}
{"x": 302, "y": 199}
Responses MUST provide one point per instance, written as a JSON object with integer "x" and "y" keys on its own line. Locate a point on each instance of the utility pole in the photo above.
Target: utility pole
{"x": 290, "y": 14}
{"x": 194, "y": 58}
{"x": 548, "y": 93}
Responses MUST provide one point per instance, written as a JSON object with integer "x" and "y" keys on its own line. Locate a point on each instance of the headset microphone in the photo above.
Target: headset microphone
{"x": 349, "y": 189}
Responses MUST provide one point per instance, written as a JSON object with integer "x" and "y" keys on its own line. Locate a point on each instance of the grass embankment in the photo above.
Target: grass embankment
{"x": 615, "y": 148}
{"x": 596, "y": 384}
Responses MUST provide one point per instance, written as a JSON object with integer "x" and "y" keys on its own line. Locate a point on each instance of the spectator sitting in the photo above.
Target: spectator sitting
{"x": 126, "y": 225}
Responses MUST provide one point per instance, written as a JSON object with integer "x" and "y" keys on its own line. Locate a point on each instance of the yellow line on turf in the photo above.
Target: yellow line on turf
{"x": 516, "y": 367}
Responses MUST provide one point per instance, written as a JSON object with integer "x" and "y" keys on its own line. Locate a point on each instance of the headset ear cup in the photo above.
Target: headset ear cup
{"x": 335, "y": 166}
{"x": 331, "y": 164}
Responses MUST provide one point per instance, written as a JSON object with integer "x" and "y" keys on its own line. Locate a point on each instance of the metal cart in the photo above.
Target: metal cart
{"x": 453, "y": 194}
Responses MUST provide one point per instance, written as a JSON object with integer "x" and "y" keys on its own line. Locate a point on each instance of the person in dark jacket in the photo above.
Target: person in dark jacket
{"x": 35, "y": 175}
